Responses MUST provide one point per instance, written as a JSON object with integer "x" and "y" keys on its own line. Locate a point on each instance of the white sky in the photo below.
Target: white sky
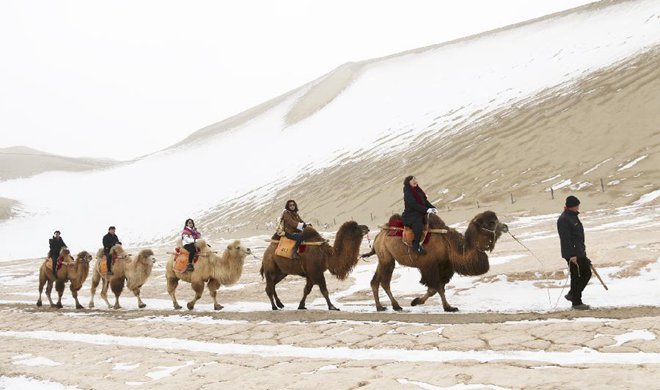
{"x": 121, "y": 79}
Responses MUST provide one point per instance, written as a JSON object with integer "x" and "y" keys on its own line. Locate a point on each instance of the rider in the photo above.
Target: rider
{"x": 188, "y": 237}
{"x": 416, "y": 207}
{"x": 292, "y": 225}
{"x": 109, "y": 240}
{"x": 56, "y": 244}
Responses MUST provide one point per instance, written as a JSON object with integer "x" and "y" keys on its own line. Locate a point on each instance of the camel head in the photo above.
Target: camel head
{"x": 84, "y": 256}
{"x": 235, "y": 249}
{"x": 146, "y": 256}
{"x": 484, "y": 230}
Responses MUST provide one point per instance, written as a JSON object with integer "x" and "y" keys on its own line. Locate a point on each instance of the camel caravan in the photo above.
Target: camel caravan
{"x": 417, "y": 238}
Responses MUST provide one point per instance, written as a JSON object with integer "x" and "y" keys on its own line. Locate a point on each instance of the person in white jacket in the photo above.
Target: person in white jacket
{"x": 188, "y": 237}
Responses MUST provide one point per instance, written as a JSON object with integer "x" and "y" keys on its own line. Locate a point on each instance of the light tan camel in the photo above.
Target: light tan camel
{"x": 71, "y": 271}
{"x": 210, "y": 269}
{"x": 132, "y": 272}
{"x": 446, "y": 253}
{"x": 338, "y": 259}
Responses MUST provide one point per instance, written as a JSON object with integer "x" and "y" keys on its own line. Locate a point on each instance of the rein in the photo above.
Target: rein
{"x": 542, "y": 265}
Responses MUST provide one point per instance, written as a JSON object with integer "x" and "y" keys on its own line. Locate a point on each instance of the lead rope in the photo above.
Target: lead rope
{"x": 547, "y": 289}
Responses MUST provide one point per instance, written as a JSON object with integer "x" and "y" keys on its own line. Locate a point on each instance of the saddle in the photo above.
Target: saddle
{"x": 397, "y": 229}
{"x": 103, "y": 266}
{"x": 285, "y": 247}
{"x": 181, "y": 259}
{"x": 49, "y": 263}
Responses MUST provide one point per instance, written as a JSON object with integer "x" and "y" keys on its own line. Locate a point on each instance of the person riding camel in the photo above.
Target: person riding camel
{"x": 56, "y": 244}
{"x": 109, "y": 240}
{"x": 292, "y": 225}
{"x": 188, "y": 237}
{"x": 416, "y": 208}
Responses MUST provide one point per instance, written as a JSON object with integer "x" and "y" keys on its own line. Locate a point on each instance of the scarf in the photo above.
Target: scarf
{"x": 191, "y": 232}
{"x": 419, "y": 195}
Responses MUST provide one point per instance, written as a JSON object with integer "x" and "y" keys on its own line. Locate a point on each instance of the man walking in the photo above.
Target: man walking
{"x": 573, "y": 250}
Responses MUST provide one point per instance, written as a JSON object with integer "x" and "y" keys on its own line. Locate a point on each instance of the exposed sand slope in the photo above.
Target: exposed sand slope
{"x": 603, "y": 127}
{"x": 21, "y": 161}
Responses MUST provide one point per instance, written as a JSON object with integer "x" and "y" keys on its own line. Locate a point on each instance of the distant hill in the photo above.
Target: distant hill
{"x": 21, "y": 161}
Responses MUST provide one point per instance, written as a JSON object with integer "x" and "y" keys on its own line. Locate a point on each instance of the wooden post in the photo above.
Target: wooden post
{"x": 477, "y": 204}
{"x": 512, "y": 201}
{"x": 334, "y": 221}
{"x": 602, "y": 186}
{"x": 372, "y": 216}
{"x": 552, "y": 193}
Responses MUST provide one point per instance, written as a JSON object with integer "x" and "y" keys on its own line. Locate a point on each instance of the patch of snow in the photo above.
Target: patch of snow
{"x": 125, "y": 366}
{"x": 581, "y": 356}
{"x": 24, "y": 382}
{"x": 647, "y": 198}
{"x": 188, "y": 319}
{"x": 460, "y": 386}
{"x": 634, "y": 335}
{"x": 459, "y": 198}
{"x": 613, "y": 182}
{"x": 588, "y": 171}
{"x": 163, "y": 371}
{"x": 36, "y": 362}
{"x": 561, "y": 184}
{"x": 550, "y": 178}
{"x": 632, "y": 163}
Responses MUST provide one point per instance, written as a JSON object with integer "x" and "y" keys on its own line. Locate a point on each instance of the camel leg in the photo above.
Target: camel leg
{"x": 136, "y": 292}
{"x": 59, "y": 287}
{"x": 198, "y": 288}
{"x": 74, "y": 292}
{"x": 385, "y": 278}
{"x": 117, "y": 285}
{"x": 213, "y": 285}
{"x": 445, "y": 304}
{"x": 421, "y": 300}
{"x": 306, "y": 291}
{"x": 96, "y": 278}
{"x": 172, "y": 283}
{"x": 104, "y": 292}
{"x": 42, "y": 283}
{"x": 324, "y": 291}
{"x": 375, "y": 287}
{"x": 278, "y": 279}
{"x": 49, "y": 289}
{"x": 270, "y": 290}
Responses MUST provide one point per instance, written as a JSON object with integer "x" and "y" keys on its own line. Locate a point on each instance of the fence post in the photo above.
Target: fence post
{"x": 602, "y": 186}
{"x": 512, "y": 201}
{"x": 477, "y": 204}
{"x": 552, "y": 193}
{"x": 372, "y": 216}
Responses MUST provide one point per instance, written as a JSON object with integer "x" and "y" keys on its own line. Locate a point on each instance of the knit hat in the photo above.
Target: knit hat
{"x": 572, "y": 201}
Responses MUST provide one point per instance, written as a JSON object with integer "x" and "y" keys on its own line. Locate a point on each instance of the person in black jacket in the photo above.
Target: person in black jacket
{"x": 109, "y": 240}
{"x": 56, "y": 244}
{"x": 416, "y": 207}
{"x": 573, "y": 250}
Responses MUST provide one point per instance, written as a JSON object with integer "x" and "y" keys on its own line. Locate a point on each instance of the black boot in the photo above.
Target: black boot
{"x": 190, "y": 267}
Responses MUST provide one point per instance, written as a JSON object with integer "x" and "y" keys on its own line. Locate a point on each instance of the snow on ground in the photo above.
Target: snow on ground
{"x": 431, "y": 90}
{"x": 23, "y": 382}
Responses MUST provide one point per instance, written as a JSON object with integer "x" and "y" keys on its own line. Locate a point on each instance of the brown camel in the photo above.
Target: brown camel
{"x": 339, "y": 260}
{"x": 446, "y": 253}
{"x": 127, "y": 271}
{"x": 210, "y": 269}
{"x": 71, "y": 271}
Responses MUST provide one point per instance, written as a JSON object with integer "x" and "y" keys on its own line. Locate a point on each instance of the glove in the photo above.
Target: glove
{"x": 432, "y": 211}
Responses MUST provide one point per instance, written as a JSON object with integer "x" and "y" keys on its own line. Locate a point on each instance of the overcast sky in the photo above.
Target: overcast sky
{"x": 120, "y": 79}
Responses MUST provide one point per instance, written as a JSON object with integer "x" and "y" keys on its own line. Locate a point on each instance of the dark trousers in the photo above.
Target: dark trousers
{"x": 108, "y": 259}
{"x": 296, "y": 237}
{"x": 579, "y": 280}
{"x": 54, "y": 258}
{"x": 192, "y": 250}
{"x": 417, "y": 227}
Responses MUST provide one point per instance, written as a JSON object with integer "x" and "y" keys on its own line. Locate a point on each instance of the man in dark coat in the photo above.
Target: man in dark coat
{"x": 56, "y": 244}
{"x": 416, "y": 207}
{"x": 109, "y": 240}
{"x": 573, "y": 250}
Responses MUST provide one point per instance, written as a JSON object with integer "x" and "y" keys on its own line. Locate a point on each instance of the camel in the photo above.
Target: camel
{"x": 210, "y": 269}
{"x": 446, "y": 253}
{"x": 127, "y": 271}
{"x": 338, "y": 259}
{"x": 74, "y": 272}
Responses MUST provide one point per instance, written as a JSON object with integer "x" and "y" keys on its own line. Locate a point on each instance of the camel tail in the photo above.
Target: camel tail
{"x": 261, "y": 271}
